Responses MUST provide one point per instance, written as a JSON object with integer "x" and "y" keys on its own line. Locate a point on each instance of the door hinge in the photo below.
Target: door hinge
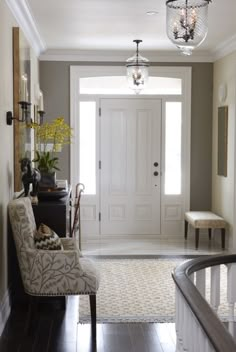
{"x": 99, "y": 216}
{"x": 100, "y": 111}
{"x": 99, "y": 164}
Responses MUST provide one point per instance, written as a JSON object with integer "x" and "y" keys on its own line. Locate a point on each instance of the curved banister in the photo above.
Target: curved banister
{"x": 214, "y": 329}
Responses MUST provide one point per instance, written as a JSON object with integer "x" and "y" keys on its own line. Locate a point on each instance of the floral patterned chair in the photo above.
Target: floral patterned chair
{"x": 50, "y": 272}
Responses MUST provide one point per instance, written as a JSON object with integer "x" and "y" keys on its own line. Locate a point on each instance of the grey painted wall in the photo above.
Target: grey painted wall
{"x": 55, "y": 83}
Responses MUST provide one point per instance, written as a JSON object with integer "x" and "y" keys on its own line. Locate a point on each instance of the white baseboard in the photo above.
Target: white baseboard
{"x": 178, "y": 238}
{"x": 5, "y": 311}
{"x": 131, "y": 238}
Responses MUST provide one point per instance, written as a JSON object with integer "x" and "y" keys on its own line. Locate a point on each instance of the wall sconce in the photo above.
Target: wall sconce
{"x": 40, "y": 111}
{"x": 24, "y": 113}
{"x": 24, "y": 105}
{"x": 41, "y": 114}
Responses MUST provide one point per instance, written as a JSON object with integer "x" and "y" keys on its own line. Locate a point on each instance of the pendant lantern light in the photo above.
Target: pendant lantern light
{"x": 187, "y": 23}
{"x": 137, "y": 70}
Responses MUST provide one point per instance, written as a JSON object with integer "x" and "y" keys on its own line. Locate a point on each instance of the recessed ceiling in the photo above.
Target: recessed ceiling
{"x": 113, "y": 24}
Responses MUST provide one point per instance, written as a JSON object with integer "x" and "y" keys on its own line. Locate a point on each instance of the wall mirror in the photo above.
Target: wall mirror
{"x": 222, "y": 140}
{"x": 21, "y": 92}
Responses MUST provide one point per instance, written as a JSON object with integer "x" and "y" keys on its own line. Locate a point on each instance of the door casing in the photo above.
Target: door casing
{"x": 171, "y": 226}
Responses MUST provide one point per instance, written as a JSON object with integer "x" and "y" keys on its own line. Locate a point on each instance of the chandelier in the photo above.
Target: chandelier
{"x": 137, "y": 70}
{"x": 186, "y": 22}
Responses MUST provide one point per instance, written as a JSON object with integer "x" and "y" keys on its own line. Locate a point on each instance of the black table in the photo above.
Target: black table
{"x": 54, "y": 213}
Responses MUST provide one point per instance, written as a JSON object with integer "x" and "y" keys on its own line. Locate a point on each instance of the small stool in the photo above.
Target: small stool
{"x": 204, "y": 220}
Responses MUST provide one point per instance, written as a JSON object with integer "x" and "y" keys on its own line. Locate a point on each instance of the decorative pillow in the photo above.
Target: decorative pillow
{"x": 46, "y": 238}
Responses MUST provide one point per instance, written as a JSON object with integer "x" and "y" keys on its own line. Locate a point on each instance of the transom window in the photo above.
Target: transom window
{"x": 118, "y": 85}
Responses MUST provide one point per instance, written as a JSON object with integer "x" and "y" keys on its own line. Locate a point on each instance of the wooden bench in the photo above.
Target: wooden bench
{"x": 204, "y": 220}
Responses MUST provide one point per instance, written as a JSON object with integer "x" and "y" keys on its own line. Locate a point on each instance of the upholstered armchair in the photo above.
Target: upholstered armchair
{"x": 50, "y": 272}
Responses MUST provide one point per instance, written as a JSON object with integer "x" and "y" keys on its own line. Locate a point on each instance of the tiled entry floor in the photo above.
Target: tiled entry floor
{"x": 151, "y": 247}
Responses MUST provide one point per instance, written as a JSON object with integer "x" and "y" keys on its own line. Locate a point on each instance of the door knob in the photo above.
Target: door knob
{"x": 155, "y": 164}
{"x": 155, "y": 173}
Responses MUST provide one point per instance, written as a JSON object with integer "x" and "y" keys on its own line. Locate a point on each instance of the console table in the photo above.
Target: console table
{"x": 54, "y": 213}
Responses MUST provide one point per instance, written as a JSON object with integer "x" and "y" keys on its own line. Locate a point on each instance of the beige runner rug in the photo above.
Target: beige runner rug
{"x": 133, "y": 290}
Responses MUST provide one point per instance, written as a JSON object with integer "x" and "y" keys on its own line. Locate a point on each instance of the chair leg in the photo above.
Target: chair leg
{"x": 223, "y": 238}
{"x": 92, "y": 299}
{"x": 209, "y": 234}
{"x": 185, "y": 229}
{"x": 196, "y": 238}
{"x": 33, "y": 305}
{"x": 63, "y": 301}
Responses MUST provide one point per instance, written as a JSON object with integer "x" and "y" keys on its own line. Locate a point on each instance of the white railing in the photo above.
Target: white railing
{"x": 198, "y": 327}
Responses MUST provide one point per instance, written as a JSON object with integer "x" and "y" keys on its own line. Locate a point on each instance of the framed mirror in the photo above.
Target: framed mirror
{"x": 222, "y": 140}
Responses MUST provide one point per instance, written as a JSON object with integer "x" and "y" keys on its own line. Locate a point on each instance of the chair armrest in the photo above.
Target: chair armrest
{"x": 57, "y": 273}
{"x": 53, "y": 259}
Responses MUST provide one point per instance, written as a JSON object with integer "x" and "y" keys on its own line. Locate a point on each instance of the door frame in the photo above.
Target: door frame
{"x": 170, "y": 205}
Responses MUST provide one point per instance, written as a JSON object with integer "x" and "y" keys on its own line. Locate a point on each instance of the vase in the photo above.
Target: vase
{"x": 48, "y": 180}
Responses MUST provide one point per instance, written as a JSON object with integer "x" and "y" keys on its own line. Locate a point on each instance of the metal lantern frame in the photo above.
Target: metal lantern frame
{"x": 137, "y": 70}
{"x": 187, "y": 23}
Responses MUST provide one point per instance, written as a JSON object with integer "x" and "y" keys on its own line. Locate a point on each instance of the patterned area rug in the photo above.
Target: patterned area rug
{"x": 135, "y": 290}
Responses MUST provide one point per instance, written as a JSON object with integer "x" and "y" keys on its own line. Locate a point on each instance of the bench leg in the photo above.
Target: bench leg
{"x": 196, "y": 238}
{"x": 223, "y": 238}
{"x": 185, "y": 229}
{"x": 209, "y": 234}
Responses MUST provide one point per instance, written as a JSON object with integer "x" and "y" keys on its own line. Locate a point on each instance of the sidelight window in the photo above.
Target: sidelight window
{"x": 87, "y": 146}
{"x": 173, "y": 123}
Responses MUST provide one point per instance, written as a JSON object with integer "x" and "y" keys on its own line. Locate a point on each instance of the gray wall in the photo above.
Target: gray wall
{"x": 55, "y": 83}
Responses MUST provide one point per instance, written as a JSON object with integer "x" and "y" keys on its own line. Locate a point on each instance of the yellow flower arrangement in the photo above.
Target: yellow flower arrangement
{"x": 49, "y": 139}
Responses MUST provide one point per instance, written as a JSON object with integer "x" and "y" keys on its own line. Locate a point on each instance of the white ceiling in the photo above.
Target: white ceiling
{"x": 107, "y": 25}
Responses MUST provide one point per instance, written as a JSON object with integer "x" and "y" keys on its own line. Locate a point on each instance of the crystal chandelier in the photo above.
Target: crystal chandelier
{"x": 137, "y": 70}
{"x": 186, "y": 23}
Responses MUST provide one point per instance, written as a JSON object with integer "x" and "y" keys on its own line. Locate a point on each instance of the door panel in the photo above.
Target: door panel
{"x": 118, "y": 154}
{"x": 143, "y": 153}
{"x": 130, "y": 145}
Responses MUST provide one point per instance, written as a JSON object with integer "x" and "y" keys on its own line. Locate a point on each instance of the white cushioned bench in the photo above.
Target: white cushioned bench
{"x": 204, "y": 220}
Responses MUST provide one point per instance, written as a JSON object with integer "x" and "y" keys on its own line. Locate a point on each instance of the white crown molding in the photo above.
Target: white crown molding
{"x": 225, "y": 48}
{"x": 21, "y": 12}
{"x": 121, "y": 56}
{"x": 23, "y": 16}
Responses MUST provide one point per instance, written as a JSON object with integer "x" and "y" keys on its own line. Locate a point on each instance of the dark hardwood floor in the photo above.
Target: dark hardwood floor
{"x": 55, "y": 330}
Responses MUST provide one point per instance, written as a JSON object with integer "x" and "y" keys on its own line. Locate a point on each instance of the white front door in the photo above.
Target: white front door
{"x": 130, "y": 166}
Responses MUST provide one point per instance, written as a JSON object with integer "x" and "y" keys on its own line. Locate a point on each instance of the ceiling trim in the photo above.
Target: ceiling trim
{"x": 23, "y": 16}
{"x": 121, "y": 56}
{"x": 21, "y": 12}
{"x": 225, "y": 48}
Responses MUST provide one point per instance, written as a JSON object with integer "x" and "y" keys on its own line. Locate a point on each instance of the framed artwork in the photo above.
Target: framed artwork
{"x": 21, "y": 92}
{"x": 222, "y": 152}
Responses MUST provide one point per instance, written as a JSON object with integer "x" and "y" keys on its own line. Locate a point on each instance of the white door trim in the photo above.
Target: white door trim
{"x": 185, "y": 73}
